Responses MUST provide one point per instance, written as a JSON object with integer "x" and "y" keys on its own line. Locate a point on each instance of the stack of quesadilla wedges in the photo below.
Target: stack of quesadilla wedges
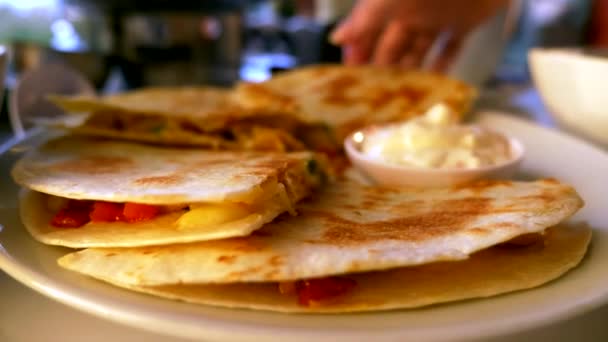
{"x": 277, "y": 230}
{"x": 313, "y": 107}
{"x": 359, "y": 248}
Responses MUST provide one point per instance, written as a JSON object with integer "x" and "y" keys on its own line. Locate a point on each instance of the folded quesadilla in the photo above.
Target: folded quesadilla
{"x": 193, "y": 116}
{"x": 313, "y": 108}
{"x": 92, "y": 192}
{"x": 320, "y": 260}
{"x": 346, "y": 98}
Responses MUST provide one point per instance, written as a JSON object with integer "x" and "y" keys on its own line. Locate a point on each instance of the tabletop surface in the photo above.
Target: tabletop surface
{"x": 31, "y": 317}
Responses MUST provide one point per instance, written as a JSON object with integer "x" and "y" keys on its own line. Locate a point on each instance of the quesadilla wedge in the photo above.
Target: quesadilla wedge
{"x": 497, "y": 270}
{"x": 191, "y": 116}
{"x": 91, "y": 192}
{"x": 347, "y": 228}
{"x": 345, "y": 98}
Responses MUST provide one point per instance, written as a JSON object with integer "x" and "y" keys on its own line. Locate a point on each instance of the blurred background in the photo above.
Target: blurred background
{"x": 125, "y": 44}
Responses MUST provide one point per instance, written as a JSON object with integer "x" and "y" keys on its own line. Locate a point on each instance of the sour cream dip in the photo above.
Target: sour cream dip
{"x": 436, "y": 141}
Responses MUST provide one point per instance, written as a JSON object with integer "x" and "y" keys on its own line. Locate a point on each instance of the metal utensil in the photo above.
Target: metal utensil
{"x": 29, "y": 98}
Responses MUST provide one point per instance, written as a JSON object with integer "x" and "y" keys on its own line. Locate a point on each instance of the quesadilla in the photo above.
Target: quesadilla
{"x": 490, "y": 272}
{"x": 313, "y": 107}
{"x": 346, "y": 98}
{"x": 193, "y": 116}
{"x": 91, "y": 192}
{"x": 347, "y": 228}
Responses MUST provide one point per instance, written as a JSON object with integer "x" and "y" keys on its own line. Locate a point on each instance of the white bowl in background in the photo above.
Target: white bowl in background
{"x": 386, "y": 174}
{"x": 573, "y": 84}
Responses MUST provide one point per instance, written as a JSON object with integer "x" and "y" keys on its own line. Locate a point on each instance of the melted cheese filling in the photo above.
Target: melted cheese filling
{"x": 248, "y": 135}
{"x": 211, "y": 214}
{"x": 202, "y": 215}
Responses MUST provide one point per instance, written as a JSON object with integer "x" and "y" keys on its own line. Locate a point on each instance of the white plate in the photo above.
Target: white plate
{"x": 549, "y": 154}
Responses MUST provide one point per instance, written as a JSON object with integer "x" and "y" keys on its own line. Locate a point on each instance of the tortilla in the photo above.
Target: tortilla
{"x": 346, "y": 98}
{"x": 490, "y": 272}
{"x": 347, "y": 228}
{"x": 267, "y": 184}
{"x": 192, "y": 116}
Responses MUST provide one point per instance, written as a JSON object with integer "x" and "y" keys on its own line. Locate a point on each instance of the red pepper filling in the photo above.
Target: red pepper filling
{"x": 135, "y": 212}
{"x": 74, "y": 215}
{"x": 312, "y": 292}
{"x": 78, "y": 213}
{"x": 106, "y": 212}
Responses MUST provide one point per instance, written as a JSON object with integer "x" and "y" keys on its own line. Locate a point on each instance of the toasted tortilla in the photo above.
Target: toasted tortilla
{"x": 191, "y": 116}
{"x": 92, "y": 169}
{"x": 490, "y": 272}
{"x": 347, "y": 228}
{"x": 214, "y": 106}
{"x": 346, "y": 98}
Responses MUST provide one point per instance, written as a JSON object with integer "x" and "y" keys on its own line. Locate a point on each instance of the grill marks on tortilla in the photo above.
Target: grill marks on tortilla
{"x": 159, "y": 180}
{"x": 337, "y": 93}
{"x": 337, "y": 89}
{"x": 408, "y": 93}
{"x": 444, "y": 218}
{"x": 341, "y": 97}
{"x": 263, "y": 168}
{"x": 228, "y": 259}
{"x": 284, "y": 102}
{"x": 93, "y": 164}
{"x": 484, "y": 185}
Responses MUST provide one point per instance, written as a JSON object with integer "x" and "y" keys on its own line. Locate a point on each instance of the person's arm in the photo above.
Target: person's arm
{"x": 402, "y": 31}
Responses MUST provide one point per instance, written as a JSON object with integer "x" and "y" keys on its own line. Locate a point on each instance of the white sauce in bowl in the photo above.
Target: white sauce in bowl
{"x": 436, "y": 141}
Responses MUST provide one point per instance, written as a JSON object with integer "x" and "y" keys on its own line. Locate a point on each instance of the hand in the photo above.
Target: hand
{"x": 401, "y": 32}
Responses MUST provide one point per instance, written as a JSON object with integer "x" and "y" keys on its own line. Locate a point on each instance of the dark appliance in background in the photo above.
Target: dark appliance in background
{"x": 180, "y": 42}
{"x": 171, "y": 42}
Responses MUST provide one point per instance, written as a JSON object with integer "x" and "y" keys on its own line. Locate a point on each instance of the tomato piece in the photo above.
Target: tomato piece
{"x": 106, "y": 212}
{"x": 135, "y": 212}
{"x": 70, "y": 218}
{"x": 83, "y": 205}
{"x": 75, "y": 214}
{"x": 287, "y": 287}
{"x": 313, "y": 291}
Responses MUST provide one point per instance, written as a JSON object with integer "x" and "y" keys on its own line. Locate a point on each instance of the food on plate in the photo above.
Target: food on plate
{"x": 195, "y": 116}
{"x": 347, "y": 98}
{"x": 436, "y": 141}
{"x": 84, "y": 192}
{"x": 490, "y": 272}
{"x": 313, "y": 107}
{"x": 274, "y": 230}
{"x": 351, "y": 240}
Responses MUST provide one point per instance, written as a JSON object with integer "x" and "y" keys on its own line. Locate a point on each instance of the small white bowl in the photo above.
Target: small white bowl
{"x": 572, "y": 84}
{"x": 403, "y": 176}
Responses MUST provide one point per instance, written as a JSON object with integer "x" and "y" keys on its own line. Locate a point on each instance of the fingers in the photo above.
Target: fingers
{"x": 365, "y": 20}
{"x": 375, "y": 33}
{"x": 361, "y": 29}
{"x": 341, "y": 34}
{"x": 393, "y": 43}
{"x": 419, "y": 47}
